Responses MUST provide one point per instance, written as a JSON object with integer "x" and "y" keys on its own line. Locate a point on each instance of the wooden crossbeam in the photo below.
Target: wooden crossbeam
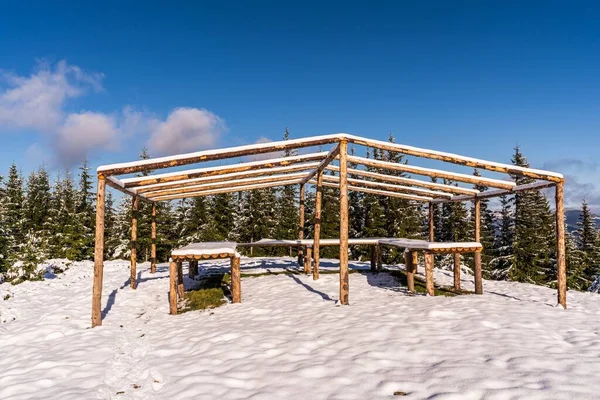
{"x": 118, "y": 185}
{"x": 221, "y": 170}
{"x": 390, "y": 187}
{"x": 488, "y": 194}
{"x": 408, "y": 181}
{"x": 375, "y": 191}
{"x": 330, "y": 157}
{"x": 226, "y": 177}
{"x": 435, "y": 173}
{"x": 227, "y": 190}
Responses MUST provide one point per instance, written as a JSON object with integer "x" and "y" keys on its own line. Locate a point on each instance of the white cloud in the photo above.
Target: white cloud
{"x": 264, "y": 156}
{"x": 84, "y": 132}
{"x": 185, "y": 130}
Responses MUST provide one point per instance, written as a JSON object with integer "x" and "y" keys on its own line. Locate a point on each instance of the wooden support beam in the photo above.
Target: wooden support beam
{"x": 410, "y": 276}
{"x": 153, "y": 239}
{"x": 488, "y": 194}
{"x": 344, "y": 279}
{"x": 216, "y": 154}
{"x": 429, "y": 273}
{"x": 317, "y": 226}
{"x": 435, "y": 173}
{"x": 378, "y": 192}
{"x": 391, "y": 187}
{"x": 226, "y": 184}
{"x": 478, "y": 273}
{"x": 379, "y": 253}
{"x": 308, "y": 260}
{"x": 98, "y": 253}
{"x": 301, "y": 196}
{"x": 134, "y": 217}
{"x": 180, "y": 288}
{"x": 330, "y": 157}
{"x": 228, "y": 190}
{"x": 372, "y": 254}
{"x": 458, "y": 159}
{"x": 118, "y": 185}
{"x": 236, "y": 280}
{"x": 407, "y": 181}
{"x": 305, "y": 166}
{"x": 173, "y": 288}
{"x": 561, "y": 266}
{"x": 456, "y": 271}
{"x": 221, "y": 170}
{"x": 431, "y": 222}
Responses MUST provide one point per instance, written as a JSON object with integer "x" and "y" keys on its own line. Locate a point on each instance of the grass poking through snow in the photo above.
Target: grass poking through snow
{"x": 210, "y": 292}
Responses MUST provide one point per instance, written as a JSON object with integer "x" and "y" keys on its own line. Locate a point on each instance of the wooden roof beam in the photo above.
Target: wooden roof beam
{"x": 390, "y": 187}
{"x": 330, "y": 157}
{"x": 378, "y": 192}
{"x": 488, "y": 194}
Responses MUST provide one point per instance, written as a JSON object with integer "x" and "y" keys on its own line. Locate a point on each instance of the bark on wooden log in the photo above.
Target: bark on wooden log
{"x": 228, "y": 190}
{"x": 561, "y": 266}
{"x": 379, "y": 192}
{"x": 410, "y": 276}
{"x": 153, "y": 249}
{"x": 301, "y": 196}
{"x": 456, "y": 271}
{"x": 180, "y": 288}
{"x": 212, "y": 155}
{"x": 118, "y": 185}
{"x": 344, "y": 279}
{"x": 429, "y": 273}
{"x": 435, "y": 173}
{"x": 236, "y": 284}
{"x": 431, "y": 222}
{"x": 391, "y": 187}
{"x": 173, "y": 288}
{"x": 478, "y": 273}
{"x": 98, "y": 253}
{"x": 330, "y": 157}
{"x": 415, "y": 260}
{"x": 308, "y": 260}
{"x": 407, "y": 181}
{"x": 488, "y": 194}
{"x": 317, "y": 226}
{"x": 304, "y": 166}
{"x": 134, "y": 215}
{"x": 379, "y": 253}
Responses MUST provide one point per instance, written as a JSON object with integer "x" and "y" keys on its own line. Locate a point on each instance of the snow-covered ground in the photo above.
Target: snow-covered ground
{"x": 288, "y": 340}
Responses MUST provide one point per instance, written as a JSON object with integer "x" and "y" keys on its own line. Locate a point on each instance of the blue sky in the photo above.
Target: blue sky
{"x": 472, "y": 77}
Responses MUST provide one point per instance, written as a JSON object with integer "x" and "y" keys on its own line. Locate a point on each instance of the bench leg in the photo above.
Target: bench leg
{"x": 236, "y": 284}
{"x": 478, "y": 274}
{"x": 378, "y": 255}
{"x": 456, "y": 271}
{"x": 308, "y": 260}
{"x": 180, "y": 279}
{"x": 429, "y": 273}
{"x": 173, "y": 288}
{"x": 410, "y": 277}
{"x": 373, "y": 258}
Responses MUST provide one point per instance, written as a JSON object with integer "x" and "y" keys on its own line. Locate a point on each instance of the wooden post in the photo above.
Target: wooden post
{"x": 410, "y": 276}
{"x": 191, "y": 270}
{"x": 344, "y": 281}
{"x": 561, "y": 267}
{"x": 378, "y": 255}
{"x": 317, "y": 226}
{"x": 431, "y": 223}
{"x": 429, "y": 273}
{"x": 195, "y": 266}
{"x": 477, "y": 256}
{"x": 180, "y": 288}
{"x": 134, "y": 215}
{"x": 415, "y": 261}
{"x": 308, "y": 260}
{"x": 236, "y": 284}
{"x": 98, "y": 254}
{"x": 153, "y": 249}
{"x": 301, "y": 225}
{"x": 173, "y": 288}
{"x": 373, "y": 258}
{"x": 456, "y": 271}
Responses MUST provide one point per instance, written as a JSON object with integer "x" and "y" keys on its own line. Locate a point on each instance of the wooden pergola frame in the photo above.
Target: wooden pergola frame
{"x": 309, "y": 169}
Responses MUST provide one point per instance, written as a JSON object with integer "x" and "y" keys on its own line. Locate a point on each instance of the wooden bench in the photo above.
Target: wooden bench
{"x": 194, "y": 252}
{"x": 429, "y": 249}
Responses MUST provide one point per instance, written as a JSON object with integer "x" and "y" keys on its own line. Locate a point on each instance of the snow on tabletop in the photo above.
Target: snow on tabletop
{"x": 307, "y": 242}
{"x": 283, "y": 340}
{"x": 205, "y": 248}
{"x": 425, "y": 245}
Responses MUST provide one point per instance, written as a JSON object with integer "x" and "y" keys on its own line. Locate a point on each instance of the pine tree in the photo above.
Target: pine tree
{"x": 14, "y": 213}
{"x": 486, "y": 231}
{"x": 576, "y": 263}
{"x": 502, "y": 262}
{"x": 4, "y": 242}
{"x": 356, "y": 215}
{"x": 588, "y": 243}
{"x": 84, "y": 215}
{"x": 111, "y": 236}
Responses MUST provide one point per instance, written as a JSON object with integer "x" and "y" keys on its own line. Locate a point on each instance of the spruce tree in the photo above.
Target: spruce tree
{"x": 502, "y": 262}
{"x": 588, "y": 243}
{"x": 85, "y": 215}
{"x": 111, "y": 236}
{"x": 14, "y": 213}
{"x": 486, "y": 231}
{"x": 4, "y": 242}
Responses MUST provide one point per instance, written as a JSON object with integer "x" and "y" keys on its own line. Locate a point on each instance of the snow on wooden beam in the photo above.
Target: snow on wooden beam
{"x": 221, "y": 170}
{"x": 390, "y": 187}
{"x": 216, "y": 154}
{"x": 496, "y": 193}
{"x": 231, "y": 183}
{"x": 226, "y": 177}
{"x": 435, "y": 173}
{"x": 458, "y": 159}
{"x": 376, "y": 191}
{"x": 228, "y": 190}
{"x": 118, "y": 185}
{"x": 409, "y": 181}
{"x": 330, "y": 157}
